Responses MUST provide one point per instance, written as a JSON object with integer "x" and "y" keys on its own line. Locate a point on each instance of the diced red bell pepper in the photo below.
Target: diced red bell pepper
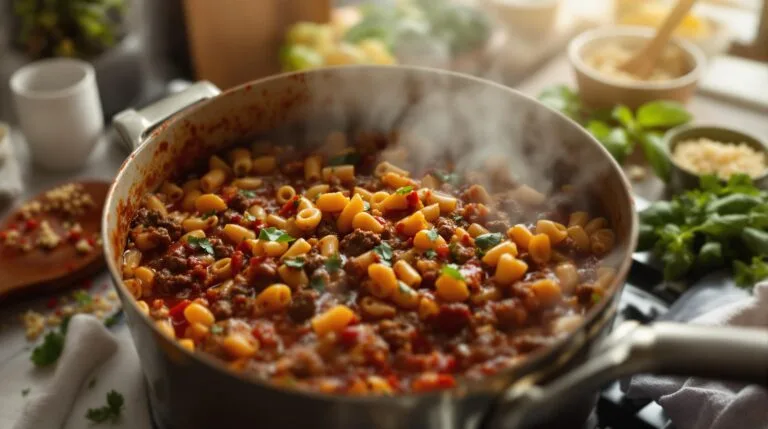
{"x": 432, "y": 381}
{"x": 412, "y": 199}
{"x": 349, "y": 336}
{"x": 177, "y": 311}
{"x": 236, "y": 261}
{"x": 443, "y": 251}
{"x": 31, "y": 224}
{"x": 290, "y": 207}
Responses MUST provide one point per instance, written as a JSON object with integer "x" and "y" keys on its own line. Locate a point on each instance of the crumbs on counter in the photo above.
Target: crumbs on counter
{"x": 80, "y": 301}
{"x": 67, "y": 202}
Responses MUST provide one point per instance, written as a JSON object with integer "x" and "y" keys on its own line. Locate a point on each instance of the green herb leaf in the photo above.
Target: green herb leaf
{"x": 201, "y": 244}
{"x": 662, "y": 114}
{"x": 430, "y": 254}
{"x": 445, "y": 177}
{"x": 247, "y": 193}
{"x": 208, "y": 214}
{"x": 623, "y": 115}
{"x": 563, "y": 99}
{"x": 317, "y": 283}
{"x": 113, "y": 319}
{"x": 334, "y": 263}
{"x": 297, "y": 262}
{"x": 404, "y": 190}
{"x": 92, "y": 383}
{"x": 487, "y": 241}
{"x": 217, "y": 329}
{"x": 49, "y": 351}
{"x": 110, "y": 412}
{"x": 82, "y": 297}
{"x": 404, "y": 288}
{"x": 366, "y": 206}
{"x": 432, "y": 234}
{"x": 274, "y": 234}
{"x": 249, "y": 217}
{"x": 349, "y": 158}
{"x": 595, "y": 298}
{"x": 458, "y": 218}
{"x": 452, "y": 270}
{"x": 616, "y": 140}
{"x": 25, "y": 392}
{"x": 385, "y": 252}
{"x": 747, "y": 275}
{"x": 656, "y": 154}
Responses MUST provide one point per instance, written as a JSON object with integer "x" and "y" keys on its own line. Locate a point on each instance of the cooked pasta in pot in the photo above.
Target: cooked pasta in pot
{"x": 345, "y": 275}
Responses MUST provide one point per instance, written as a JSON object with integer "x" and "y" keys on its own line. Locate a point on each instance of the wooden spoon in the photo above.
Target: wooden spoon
{"x": 642, "y": 63}
{"x": 41, "y": 269}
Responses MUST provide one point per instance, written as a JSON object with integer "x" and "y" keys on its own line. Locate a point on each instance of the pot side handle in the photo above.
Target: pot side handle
{"x": 132, "y": 125}
{"x": 730, "y": 353}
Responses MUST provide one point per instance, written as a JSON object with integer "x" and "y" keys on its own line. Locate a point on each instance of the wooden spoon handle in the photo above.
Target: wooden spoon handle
{"x": 643, "y": 62}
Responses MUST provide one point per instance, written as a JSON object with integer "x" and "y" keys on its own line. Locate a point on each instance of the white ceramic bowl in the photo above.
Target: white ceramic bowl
{"x": 599, "y": 90}
{"x": 527, "y": 18}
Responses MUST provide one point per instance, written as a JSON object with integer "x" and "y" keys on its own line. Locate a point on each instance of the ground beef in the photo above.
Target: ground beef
{"x": 355, "y": 271}
{"x": 359, "y": 241}
{"x": 461, "y": 254}
{"x": 151, "y": 218}
{"x": 261, "y": 274}
{"x": 221, "y": 250}
{"x": 326, "y": 227}
{"x": 453, "y": 318}
{"x": 509, "y": 313}
{"x": 174, "y": 264}
{"x": 168, "y": 283}
{"x": 445, "y": 227}
{"x": 303, "y": 362}
{"x": 222, "y": 309}
{"x": 313, "y": 261}
{"x": 239, "y": 203}
{"x": 500, "y": 226}
{"x": 302, "y": 305}
{"x": 396, "y": 334}
{"x": 159, "y": 236}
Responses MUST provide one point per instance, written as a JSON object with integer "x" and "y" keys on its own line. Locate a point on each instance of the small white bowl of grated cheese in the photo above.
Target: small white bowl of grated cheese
{"x": 697, "y": 150}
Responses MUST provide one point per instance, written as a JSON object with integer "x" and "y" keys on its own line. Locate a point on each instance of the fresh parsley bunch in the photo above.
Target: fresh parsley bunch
{"x": 708, "y": 228}
{"x": 619, "y": 129}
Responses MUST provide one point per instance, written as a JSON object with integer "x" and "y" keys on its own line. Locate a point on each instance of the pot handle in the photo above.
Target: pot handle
{"x": 739, "y": 354}
{"x": 132, "y": 125}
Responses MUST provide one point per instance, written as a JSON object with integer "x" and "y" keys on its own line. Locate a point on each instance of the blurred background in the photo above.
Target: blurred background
{"x": 138, "y": 46}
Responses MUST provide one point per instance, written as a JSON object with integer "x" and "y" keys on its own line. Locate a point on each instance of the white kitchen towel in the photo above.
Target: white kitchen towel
{"x": 707, "y": 404}
{"x": 94, "y": 362}
{"x": 10, "y": 172}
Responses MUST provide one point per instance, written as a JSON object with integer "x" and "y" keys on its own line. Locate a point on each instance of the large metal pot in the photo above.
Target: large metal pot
{"x": 196, "y": 391}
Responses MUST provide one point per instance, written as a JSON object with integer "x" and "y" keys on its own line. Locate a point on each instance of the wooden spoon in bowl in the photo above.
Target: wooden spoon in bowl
{"x": 642, "y": 63}
{"x": 53, "y": 240}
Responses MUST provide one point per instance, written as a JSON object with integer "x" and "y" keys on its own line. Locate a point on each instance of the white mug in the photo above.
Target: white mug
{"x": 59, "y": 110}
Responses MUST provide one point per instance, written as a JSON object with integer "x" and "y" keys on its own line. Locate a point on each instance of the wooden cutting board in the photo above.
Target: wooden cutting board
{"x": 28, "y": 261}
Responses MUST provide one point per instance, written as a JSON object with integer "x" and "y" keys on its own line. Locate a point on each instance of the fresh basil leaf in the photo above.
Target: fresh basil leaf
{"x": 657, "y": 155}
{"x": 452, "y": 270}
{"x": 563, "y": 99}
{"x": 598, "y": 129}
{"x": 349, "y": 158}
{"x": 404, "y": 190}
{"x": 662, "y": 114}
{"x": 457, "y": 218}
{"x": 623, "y": 115}
{"x": 200, "y": 243}
{"x": 366, "y": 206}
{"x": 487, "y": 241}
{"x": 297, "y": 262}
{"x": 384, "y": 250}
{"x": 615, "y": 140}
{"x": 747, "y": 275}
{"x": 734, "y": 204}
{"x": 334, "y": 263}
{"x": 432, "y": 234}
{"x": 710, "y": 183}
{"x": 274, "y": 234}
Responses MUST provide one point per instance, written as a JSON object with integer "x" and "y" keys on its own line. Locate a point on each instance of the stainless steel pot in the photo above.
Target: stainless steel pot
{"x": 196, "y": 391}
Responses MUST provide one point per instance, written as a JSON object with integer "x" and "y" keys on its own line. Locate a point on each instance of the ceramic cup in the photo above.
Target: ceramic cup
{"x": 59, "y": 110}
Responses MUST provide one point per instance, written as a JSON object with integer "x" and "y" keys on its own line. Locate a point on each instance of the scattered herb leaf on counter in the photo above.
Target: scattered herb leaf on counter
{"x": 25, "y": 392}
{"x": 53, "y": 344}
{"x": 110, "y": 412}
{"x": 620, "y": 130}
{"x": 92, "y": 383}
{"x": 705, "y": 229}
{"x": 113, "y": 319}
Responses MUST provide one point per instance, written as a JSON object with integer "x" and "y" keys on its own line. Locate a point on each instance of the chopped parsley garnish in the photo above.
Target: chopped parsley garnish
{"x": 452, "y": 270}
{"x": 317, "y": 283}
{"x": 274, "y": 234}
{"x": 445, "y": 177}
{"x": 404, "y": 288}
{"x": 487, "y": 241}
{"x": 246, "y": 193}
{"x": 430, "y": 254}
{"x": 208, "y": 214}
{"x": 295, "y": 262}
{"x": 82, "y": 297}
{"x": 249, "y": 217}
{"x": 25, "y": 392}
{"x": 217, "y": 329}
{"x": 53, "y": 344}
{"x": 201, "y": 244}
{"x": 333, "y": 263}
{"x": 92, "y": 383}
{"x": 345, "y": 159}
{"x": 458, "y": 218}
{"x": 113, "y": 319}
{"x": 432, "y": 234}
{"x": 366, "y": 206}
{"x": 110, "y": 412}
{"x": 385, "y": 252}
{"x": 404, "y": 190}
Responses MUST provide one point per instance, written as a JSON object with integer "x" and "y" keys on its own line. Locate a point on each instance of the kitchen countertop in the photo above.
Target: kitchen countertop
{"x": 108, "y": 156}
